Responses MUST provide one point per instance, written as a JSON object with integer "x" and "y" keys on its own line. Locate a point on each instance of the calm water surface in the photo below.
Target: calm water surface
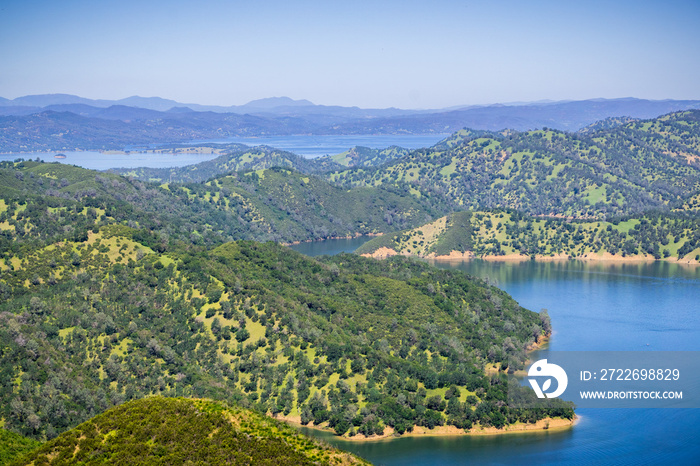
{"x": 99, "y": 161}
{"x": 597, "y": 306}
{"x": 308, "y": 146}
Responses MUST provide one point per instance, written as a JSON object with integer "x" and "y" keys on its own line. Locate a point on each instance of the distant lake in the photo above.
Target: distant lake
{"x": 307, "y": 146}
{"x": 593, "y": 306}
{"x": 99, "y": 161}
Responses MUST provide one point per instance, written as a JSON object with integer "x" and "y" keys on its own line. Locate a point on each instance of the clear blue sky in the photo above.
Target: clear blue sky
{"x": 371, "y": 54}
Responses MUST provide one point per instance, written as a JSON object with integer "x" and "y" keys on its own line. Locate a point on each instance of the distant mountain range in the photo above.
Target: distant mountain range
{"x": 271, "y": 105}
{"x": 66, "y": 122}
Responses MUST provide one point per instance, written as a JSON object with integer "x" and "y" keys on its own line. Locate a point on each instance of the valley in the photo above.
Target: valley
{"x": 138, "y": 283}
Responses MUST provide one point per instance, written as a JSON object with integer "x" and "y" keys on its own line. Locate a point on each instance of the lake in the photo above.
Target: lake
{"x": 593, "y": 306}
{"x": 307, "y": 146}
{"x": 99, "y": 161}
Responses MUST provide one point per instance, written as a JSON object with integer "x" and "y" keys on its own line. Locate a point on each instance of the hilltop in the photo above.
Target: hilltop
{"x": 364, "y": 157}
{"x": 167, "y": 431}
{"x": 236, "y": 158}
{"x": 630, "y": 168}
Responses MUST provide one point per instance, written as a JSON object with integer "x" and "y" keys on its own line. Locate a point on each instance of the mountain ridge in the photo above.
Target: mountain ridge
{"x": 28, "y": 127}
{"x": 627, "y": 168}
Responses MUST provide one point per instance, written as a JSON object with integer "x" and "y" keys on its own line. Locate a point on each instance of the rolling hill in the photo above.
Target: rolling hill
{"x": 113, "y": 290}
{"x": 630, "y": 168}
{"x": 236, "y": 158}
{"x": 275, "y": 204}
{"x": 157, "y": 430}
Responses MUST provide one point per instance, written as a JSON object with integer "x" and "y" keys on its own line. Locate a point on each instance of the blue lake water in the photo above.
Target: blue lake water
{"x": 307, "y": 146}
{"x": 593, "y": 306}
{"x": 99, "y": 161}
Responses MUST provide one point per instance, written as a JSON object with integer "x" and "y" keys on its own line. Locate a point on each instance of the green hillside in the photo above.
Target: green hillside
{"x": 453, "y": 232}
{"x": 631, "y": 168}
{"x": 167, "y": 431}
{"x": 241, "y": 158}
{"x": 237, "y": 159}
{"x": 305, "y": 207}
{"x": 505, "y": 233}
{"x": 618, "y": 166}
{"x": 13, "y": 445}
{"x": 58, "y": 200}
{"x": 353, "y": 344}
{"x": 362, "y": 157}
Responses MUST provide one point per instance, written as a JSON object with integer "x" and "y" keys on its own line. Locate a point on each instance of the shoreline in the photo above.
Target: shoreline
{"x": 384, "y": 252}
{"x": 543, "y": 425}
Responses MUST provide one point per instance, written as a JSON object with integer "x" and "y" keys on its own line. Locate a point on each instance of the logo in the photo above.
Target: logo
{"x": 543, "y": 369}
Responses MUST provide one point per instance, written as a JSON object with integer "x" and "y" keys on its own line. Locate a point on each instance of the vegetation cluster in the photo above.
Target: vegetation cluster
{"x": 167, "y": 431}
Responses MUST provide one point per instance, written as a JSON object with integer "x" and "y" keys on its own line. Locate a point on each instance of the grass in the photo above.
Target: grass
{"x": 121, "y": 349}
{"x": 447, "y": 170}
{"x": 627, "y": 225}
{"x": 595, "y": 194}
{"x": 256, "y": 329}
{"x": 64, "y": 332}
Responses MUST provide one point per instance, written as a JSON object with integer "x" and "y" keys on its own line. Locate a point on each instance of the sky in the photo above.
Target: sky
{"x": 370, "y": 54}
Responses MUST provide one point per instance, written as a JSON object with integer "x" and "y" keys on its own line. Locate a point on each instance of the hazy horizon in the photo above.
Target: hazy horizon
{"x": 410, "y": 55}
{"x": 491, "y": 104}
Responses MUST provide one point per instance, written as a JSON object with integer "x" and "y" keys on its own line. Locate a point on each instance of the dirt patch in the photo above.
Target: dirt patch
{"x": 382, "y": 253}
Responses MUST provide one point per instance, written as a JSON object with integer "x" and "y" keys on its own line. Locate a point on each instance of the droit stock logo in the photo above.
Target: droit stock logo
{"x": 543, "y": 369}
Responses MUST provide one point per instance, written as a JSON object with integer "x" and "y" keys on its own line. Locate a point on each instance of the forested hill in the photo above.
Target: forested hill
{"x": 361, "y": 346}
{"x": 619, "y": 166}
{"x": 629, "y": 168}
{"x": 14, "y": 445}
{"x": 363, "y": 157}
{"x": 43, "y": 200}
{"x": 263, "y": 157}
{"x": 239, "y": 159}
{"x": 499, "y": 233}
{"x": 172, "y": 431}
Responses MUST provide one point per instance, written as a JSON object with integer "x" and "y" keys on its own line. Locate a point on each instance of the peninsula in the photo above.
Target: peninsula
{"x": 504, "y": 235}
